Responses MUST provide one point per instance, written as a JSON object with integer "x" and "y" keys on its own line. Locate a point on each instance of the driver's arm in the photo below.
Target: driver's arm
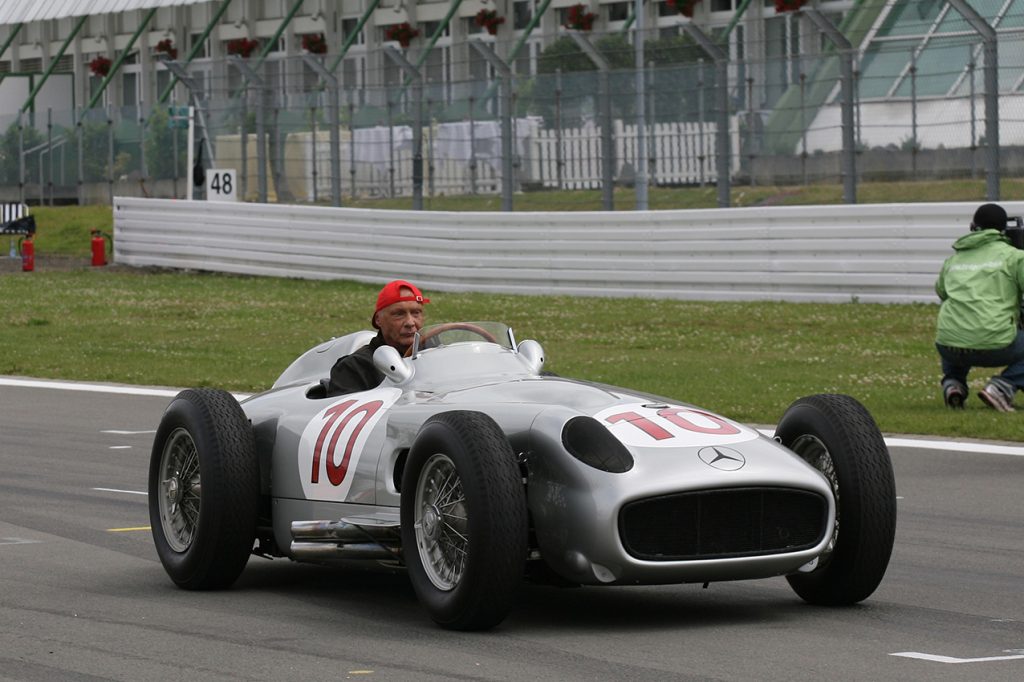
{"x": 354, "y": 373}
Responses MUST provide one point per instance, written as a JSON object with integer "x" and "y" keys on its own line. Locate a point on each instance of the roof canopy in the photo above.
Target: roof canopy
{"x": 24, "y": 11}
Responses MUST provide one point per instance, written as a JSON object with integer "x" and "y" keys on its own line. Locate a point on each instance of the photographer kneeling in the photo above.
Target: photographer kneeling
{"x": 979, "y": 320}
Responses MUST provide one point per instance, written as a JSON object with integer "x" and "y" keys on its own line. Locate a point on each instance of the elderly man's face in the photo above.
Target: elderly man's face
{"x": 400, "y": 321}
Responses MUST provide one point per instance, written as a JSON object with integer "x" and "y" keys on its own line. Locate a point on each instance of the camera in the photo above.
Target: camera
{"x": 1015, "y": 231}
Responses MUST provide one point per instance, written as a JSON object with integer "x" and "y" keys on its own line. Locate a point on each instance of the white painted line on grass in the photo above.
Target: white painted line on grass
{"x": 952, "y": 446}
{"x": 98, "y": 388}
{"x": 952, "y": 659}
{"x": 947, "y": 445}
{"x": 126, "y": 492}
{"x": 88, "y": 388}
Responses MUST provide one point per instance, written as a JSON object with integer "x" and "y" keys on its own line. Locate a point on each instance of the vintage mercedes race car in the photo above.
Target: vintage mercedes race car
{"x": 473, "y": 468}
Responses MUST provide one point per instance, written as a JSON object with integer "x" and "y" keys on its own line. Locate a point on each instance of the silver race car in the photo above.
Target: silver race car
{"x": 473, "y": 468}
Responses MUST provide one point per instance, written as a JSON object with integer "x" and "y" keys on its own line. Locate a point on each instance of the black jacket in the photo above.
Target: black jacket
{"x": 356, "y": 372}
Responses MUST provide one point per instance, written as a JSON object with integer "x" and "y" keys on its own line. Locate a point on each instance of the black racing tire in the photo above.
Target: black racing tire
{"x": 464, "y": 520}
{"x": 838, "y": 436}
{"x": 204, "y": 489}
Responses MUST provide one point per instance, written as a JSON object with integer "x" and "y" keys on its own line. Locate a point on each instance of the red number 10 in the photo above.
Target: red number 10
{"x": 336, "y": 472}
{"x": 672, "y": 415}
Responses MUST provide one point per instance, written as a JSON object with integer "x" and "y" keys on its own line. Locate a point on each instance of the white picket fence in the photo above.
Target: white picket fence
{"x": 679, "y": 154}
{"x": 380, "y": 164}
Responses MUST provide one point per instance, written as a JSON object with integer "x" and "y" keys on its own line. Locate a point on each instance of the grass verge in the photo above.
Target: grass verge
{"x": 745, "y": 360}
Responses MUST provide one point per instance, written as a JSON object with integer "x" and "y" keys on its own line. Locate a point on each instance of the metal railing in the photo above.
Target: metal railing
{"x": 840, "y": 115}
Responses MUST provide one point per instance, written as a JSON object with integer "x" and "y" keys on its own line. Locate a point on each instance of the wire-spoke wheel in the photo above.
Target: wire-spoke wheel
{"x": 464, "y": 525}
{"x": 836, "y": 435}
{"x": 442, "y": 533}
{"x": 179, "y": 490}
{"x": 204, "y": 489}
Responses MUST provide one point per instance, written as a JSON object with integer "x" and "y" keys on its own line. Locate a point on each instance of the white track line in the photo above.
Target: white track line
{"x": 97, "y": 388}
{"x": 892, "y": 441}
{"x": 927, "y": 443}
{"x": 953, "y": 659}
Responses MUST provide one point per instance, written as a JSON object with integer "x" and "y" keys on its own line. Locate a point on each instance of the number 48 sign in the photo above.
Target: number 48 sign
{"x": 221, "y": 185}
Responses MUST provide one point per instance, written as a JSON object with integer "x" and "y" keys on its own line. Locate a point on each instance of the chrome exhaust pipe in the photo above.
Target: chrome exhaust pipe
{"x": 340, "y": 531}
{"x": 329, "y": 551}
{"x": 327, "y": 541}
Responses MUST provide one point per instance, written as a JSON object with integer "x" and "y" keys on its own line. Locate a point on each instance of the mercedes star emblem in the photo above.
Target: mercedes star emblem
{"x": 725, "y": 459}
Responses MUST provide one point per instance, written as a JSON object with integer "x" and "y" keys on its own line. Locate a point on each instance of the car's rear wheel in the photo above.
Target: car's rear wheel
{"x": 836, "y": 435}
{"x": 203, "y": 489}
{"x": 464, "y": 525}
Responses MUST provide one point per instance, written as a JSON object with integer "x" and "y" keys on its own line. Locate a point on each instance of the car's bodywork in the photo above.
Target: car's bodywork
{"x": 621, "y": 487}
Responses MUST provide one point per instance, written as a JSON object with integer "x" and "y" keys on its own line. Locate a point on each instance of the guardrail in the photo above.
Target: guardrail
{"x": 872, "y": 253}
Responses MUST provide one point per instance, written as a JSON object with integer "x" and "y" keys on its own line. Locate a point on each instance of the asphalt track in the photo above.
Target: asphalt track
{"x": 83, "y": 596}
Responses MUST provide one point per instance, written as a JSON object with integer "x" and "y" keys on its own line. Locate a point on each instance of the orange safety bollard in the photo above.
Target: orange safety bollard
{"x": 28, "y": 255}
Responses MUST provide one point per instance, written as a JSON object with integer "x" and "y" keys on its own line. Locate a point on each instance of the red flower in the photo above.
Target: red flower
{"x": 100, "y": 66}
{"x": 314, "y": 43}
{"x": 489, "y": 19}
{"x": 684, "y": 7}
{"x": 403, "y": 33}
{"x": 579, "y": 18}
{"x": 166, "y": 46}
{"x": 789, "y": 5}
{"x": 243, "y": 47}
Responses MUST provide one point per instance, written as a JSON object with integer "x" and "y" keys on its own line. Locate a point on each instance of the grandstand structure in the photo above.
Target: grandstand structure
{"x": 749, "y": 90}
{"x": 50, "y": 45}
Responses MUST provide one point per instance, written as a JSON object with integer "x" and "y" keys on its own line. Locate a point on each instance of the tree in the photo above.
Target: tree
{"x": 160, "y": 159}
{"x": 679, "y": 80}
{"x": 579, "y": 81}
{"x": 10, "y": 164}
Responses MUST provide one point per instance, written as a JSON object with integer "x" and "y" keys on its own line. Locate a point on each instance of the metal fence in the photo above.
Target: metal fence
{"x": 871, "y": 108}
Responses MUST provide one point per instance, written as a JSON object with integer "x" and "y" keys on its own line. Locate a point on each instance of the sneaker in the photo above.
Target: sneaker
{"x": 995, "y": 399}
{"x": 954, "y": 395}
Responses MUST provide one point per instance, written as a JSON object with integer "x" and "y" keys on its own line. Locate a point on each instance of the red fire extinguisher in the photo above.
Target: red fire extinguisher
{"x": 28, "y": 254}
{"x": 99, "y": 248}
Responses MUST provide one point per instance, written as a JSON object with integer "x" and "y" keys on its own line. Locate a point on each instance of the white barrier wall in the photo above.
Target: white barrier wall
{"x": 871, "y": 253}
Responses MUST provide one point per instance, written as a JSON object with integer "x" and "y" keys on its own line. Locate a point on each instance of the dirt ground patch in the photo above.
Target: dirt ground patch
{"x": 45, "y": 264}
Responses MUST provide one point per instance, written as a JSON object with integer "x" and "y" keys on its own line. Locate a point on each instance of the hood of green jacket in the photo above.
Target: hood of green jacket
{"x": 973, "y": 240}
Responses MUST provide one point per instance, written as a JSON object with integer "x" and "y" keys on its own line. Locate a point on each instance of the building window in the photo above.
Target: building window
{"x": 522, "y": 12}
{"x": 348, "y": 27}
{"x": 619, "y": 11}
{"x": 193, "y": 40}
{"x": 129, "y": 89}
{"x": 427, "y": 29}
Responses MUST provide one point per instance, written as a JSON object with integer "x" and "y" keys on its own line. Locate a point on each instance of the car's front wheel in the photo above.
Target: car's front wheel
{"x": 464, "y": 520}
{"x": 837, "y": 436}
{"x": 203, "y": 489}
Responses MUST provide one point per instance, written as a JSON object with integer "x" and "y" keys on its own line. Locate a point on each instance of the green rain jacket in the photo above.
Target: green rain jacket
{"x": 980, "y": 286}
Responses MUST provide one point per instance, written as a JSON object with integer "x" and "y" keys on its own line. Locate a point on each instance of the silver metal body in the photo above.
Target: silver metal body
{"x": 332, "y": 466}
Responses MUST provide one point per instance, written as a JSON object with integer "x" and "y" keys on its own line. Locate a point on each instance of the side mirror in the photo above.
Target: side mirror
{"x": 533, "y": 354}
{"x": 392, "y": 365}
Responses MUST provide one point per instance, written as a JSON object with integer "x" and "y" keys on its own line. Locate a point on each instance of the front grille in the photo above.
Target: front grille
{"x": 717, "y": 524}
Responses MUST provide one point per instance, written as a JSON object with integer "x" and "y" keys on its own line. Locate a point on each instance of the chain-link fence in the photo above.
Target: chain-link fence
{"x": 904, "y": 101}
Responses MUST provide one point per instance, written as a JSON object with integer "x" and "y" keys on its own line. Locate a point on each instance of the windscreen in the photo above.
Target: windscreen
{"x": 451, "y": 333}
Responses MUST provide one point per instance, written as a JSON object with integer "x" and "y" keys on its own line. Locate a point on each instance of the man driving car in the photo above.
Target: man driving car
{"x": 397, "y": 318}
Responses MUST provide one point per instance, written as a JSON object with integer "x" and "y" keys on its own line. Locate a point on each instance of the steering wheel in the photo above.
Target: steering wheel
{"x": 453, "y": 326}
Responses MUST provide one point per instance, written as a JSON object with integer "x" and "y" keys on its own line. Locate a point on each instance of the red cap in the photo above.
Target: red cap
{"x": 391, "y": 293}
